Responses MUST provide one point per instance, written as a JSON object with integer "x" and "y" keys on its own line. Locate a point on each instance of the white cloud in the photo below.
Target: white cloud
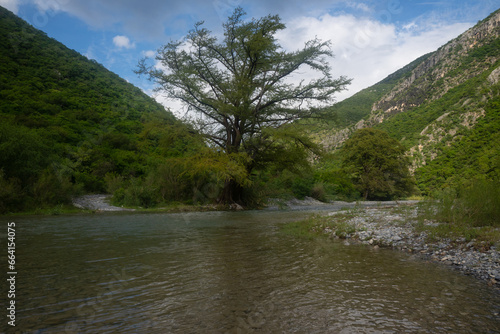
{"x": 358, "y": 5}
{"x": 149, "y": 53}
{"x": 12, "y": 5}
{"x": 147, "y": 19}
{"x": 123, "y": 42}
{"x": 366, "y": 50}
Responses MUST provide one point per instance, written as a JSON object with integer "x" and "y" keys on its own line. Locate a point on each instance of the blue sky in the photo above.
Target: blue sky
{"x": 370, "y": 38}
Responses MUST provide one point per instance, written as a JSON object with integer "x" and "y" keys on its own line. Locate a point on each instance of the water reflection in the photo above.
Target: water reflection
{"x": 230, "y": 273}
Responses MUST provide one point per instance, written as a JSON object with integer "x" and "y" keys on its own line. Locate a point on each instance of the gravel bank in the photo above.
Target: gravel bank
{"x": 96, "y": 203}
{"x": 383, "y": 227}
{"x": 311, "y": 204}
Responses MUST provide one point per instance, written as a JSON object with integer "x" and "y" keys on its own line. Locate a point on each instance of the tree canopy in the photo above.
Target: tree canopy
{"x": 242, "y": 90}
{"x": 377, "y": 165}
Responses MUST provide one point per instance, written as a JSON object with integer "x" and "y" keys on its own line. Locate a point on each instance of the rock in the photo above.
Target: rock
{"x": 236, "y": 207}
{"x": 494, "y": 77}
{"x": 494, "y": 274}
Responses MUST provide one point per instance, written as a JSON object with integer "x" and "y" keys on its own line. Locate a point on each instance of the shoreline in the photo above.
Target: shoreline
{"x": 398, "y": 227}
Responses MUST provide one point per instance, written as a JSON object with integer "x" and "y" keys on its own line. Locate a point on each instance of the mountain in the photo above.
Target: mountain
{"x": 68, "y": 124}
{"x": 444, "y": 107}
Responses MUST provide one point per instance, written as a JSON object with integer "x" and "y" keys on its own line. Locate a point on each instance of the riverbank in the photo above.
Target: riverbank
{"x": 101, "y": 203}
{"x": 472, "y": 251}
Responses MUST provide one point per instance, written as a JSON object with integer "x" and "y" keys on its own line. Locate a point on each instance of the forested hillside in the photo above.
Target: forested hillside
{"x": 444, "y": 108}
{"x": 70, "y": 126}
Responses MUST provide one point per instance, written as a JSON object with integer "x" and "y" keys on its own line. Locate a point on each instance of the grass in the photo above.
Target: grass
{"x": 475, "y": 205}
{"x": 486, "y": 236}
{"x": 50, "y": 211}
{"x": 315, "y": 225}
{"x": 471, "y": 214}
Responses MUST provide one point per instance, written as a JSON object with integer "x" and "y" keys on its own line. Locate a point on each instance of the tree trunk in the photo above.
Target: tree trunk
{"x": 365, "y": 195}
{"x": 232, "y": 193}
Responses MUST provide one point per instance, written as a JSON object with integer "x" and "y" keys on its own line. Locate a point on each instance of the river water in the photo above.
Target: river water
{"x": 223, "y": 272}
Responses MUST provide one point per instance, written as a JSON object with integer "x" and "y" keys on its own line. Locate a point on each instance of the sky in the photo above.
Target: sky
{"x": 370, "y": 38}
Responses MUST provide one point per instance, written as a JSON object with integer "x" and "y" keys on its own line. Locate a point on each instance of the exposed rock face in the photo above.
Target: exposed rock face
{"x": 444, "y": 128}
{"x": 494, "y": 77}
{"x": 421, "y": 85}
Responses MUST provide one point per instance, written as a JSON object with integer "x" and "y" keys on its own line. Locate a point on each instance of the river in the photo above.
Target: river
{"x": 229, "y": 272}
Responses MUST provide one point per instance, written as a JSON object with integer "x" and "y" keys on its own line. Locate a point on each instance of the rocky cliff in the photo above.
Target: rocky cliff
{"x": 437, "y": 74}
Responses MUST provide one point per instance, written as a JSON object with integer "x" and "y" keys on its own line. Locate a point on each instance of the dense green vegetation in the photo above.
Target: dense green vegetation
{"x": 377, "y": 165}
{"x": 456, "y": 127}
{"x": 474, "y": 155}
{"x": 70, "y": 126}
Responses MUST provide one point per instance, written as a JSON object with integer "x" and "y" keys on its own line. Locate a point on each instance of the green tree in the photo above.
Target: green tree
{"x": 377, "y": 165}
{"x": 241, "y": 89}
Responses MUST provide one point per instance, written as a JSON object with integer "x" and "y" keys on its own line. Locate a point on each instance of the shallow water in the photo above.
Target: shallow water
{"x": 224, "y": 272}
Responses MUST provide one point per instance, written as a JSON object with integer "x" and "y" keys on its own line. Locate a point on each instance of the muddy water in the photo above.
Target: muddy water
{"x": 229, "y": 273}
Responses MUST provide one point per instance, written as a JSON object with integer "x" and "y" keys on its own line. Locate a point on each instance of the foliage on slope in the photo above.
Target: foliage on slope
{"x": 68, "y": 124}
{"x": 454, "y": 138}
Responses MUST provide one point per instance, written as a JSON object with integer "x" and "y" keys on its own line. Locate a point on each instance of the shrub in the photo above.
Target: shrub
{"x": 139, "y": 194}
{"x": 477, "y": 204}
{"x": 318, "y": 192}
{"x": 113, "y": 182}
{"x": 302, "y": 187}
{"x": 50, "y": 189}
{"x": 11, "y": 194}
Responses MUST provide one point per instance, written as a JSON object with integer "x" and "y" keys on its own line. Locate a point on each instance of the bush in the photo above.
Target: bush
{"x": 113, "y": 182}
{"x": 11, "y": 195}
{"x": 138, "y": 193}
{"x": 477, "y": 204}
{"x": 90, "y": 183}
{"x": 169, "y": 179}
{"x": 318, "y": 192}
{"x": 302, "y": 187}
{"x": 51, "y": 190}
{"x": 337, "y": 183}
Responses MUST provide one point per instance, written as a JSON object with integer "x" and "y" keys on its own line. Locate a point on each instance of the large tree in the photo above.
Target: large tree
{"x": 242, "y": 89}
{"x": 377, "y": 165}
